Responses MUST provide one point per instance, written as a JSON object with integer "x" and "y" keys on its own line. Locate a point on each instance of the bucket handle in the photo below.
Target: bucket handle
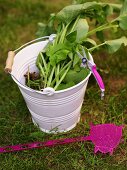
{"x": 9, "y": 62}
{"x": 11, "y": 54}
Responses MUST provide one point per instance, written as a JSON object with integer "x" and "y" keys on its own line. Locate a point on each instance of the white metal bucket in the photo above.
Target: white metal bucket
{"x": 59, "y": 112}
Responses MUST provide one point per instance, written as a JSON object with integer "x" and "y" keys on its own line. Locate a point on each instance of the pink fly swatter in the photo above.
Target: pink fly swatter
{"x": 105, "y": 137}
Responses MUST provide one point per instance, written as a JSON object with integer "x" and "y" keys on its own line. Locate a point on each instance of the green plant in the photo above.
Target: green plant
{"x": 58, "y": 63}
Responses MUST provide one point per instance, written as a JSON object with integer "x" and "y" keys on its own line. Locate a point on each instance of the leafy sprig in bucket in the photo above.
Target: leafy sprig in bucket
{"x": 59, "y": 65}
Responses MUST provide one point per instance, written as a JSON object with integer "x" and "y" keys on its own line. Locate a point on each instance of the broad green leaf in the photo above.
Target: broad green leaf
{"x": 59, "y": 56}
{"x": 72, "y": 36}
{"x": 115, "y": 7}
{"x": 58, "y": 52}
{"x": 52, "y": 49}
{"x": 77, "y": 68}
{"x": 123, "y": 22}
{"x": 124, "y": 8}
{"x": 71, "y": 12}
{"x": 42, "y": 30}
{"x": 82, "y": 28}
{"x": 76, "y": 77}
{"x": 123, "y": 16}
{"x": 70, "y": 55}
{"x": 46, "y": 29}
{"x": 108, "y": 10}
{"x": 65, "y": 86}
{"x": 114, "y": 45}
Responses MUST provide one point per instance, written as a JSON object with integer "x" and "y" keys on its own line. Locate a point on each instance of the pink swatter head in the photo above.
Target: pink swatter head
{"x": 105, "y": 137}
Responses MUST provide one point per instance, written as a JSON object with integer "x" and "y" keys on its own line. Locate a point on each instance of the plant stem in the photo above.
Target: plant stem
{"x": 61, "y": 79}
{"x": 56, "y": 39}
{"x": 100, "y": 28}
{"x": 75, "y": 23}
{"x": 87, "y": 53}
{"x": 97, "y": 46}
{"x": 50, "y": 77}
{"x": 44, "y": 62}
{"x": 62, "y": 65}
{"x": 64, "y": 68}
{"x": 63, "y": 34}
{"x": 41, "y": 69}
{"x": 47, "y": 73}
{"x": 61, "y": 71}
{"x": 57, "y": 73}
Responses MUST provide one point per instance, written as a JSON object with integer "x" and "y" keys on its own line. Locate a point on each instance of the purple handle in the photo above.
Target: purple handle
{"x": 98, "y": 78}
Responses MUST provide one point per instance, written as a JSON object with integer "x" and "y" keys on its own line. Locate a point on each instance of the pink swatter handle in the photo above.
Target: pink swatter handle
{"x": 98, "y": 79}
{"x": 50, "y": 143}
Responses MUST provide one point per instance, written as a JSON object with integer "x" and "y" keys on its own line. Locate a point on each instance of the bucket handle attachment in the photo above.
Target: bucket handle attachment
{"x": 49, "y": 91}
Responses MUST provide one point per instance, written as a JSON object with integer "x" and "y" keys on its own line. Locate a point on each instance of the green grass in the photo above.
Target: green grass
{"x": 18, "y": 24}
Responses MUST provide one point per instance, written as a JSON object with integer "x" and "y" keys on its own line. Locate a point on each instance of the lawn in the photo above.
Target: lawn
{"x": 18, "y": 25}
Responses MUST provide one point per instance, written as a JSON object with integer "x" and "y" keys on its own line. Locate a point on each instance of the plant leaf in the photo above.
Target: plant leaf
{"x": 123, "y": 22}
{"x": 46, "y": 29}
{"x": 123, "y": 16}
{"x": 58, "y": 52}
{"x": 124, "y": 8}
{"x": 77, "y": 68}
{"x": 58, "y": 56}
{"x": 65, "y": 86}
{"x": 71, "y": 12}
{"x": 78, "y": 1}
{"x": 70, "y": 55}
{"x": 108, "y": 9}
{"x": 91, "y": 41}
{"x": 82, "y": 28}
{"x": 114, "y": 45}
{"x": 76, "y": 60}
{"x": 72, "y": 36}
{"x": 76, "y": 77}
